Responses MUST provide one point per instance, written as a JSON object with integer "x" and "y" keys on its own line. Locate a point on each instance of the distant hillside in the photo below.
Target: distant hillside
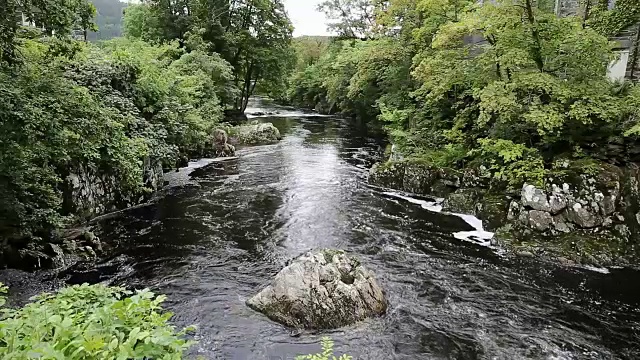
{"x": 108, "y": 19}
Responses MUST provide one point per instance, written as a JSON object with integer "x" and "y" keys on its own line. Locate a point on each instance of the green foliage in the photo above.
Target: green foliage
{"x": 91, "y": 322}
{"x": 353, "y": 77}
{"x": 326, "y": 354}
{"x": 610, "y": 22}
{"x": 55, "y": 18}
{"x": 111, "y": 109}
{"x": 513, "y": 164}
{"x": 455, "y": 82}
{"x": 49, "y": 125}
{"x": 252, "y": 35}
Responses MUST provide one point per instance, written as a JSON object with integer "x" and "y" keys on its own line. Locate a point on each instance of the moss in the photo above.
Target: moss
{"x": 493, "y": 209}
{"x": 580, "y": 247}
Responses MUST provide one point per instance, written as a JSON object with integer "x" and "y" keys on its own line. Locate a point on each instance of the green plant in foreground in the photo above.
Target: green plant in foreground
{"x": 326, "y": 354}
{"x": 91, "y": 322}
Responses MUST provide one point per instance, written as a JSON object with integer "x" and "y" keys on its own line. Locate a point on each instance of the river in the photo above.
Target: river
{"x": 221, "y": 232}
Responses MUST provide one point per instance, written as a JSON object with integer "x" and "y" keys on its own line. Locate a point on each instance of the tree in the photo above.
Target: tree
{"x": 86, "y": 13}
{"x": 352, "y": 18}
{"x": 54, "y": 17}
{"x": 252, "y": 35}
{"x": 259, "y": 39}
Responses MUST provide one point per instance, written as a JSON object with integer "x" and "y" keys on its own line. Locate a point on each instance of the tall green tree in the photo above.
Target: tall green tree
{"x": 352, "y": 18}
{"x": 254, "y": 36}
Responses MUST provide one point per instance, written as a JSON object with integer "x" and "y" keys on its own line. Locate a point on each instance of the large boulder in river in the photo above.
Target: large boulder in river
{"x": 321, "y": 290}
{"x": 255, "y": 134}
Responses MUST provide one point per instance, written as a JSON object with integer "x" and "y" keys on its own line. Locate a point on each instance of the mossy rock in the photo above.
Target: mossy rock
{"x": 463, "y": 201}
{"x": 254, "y": 134}
{"x": 415, "y": 176}
{"x": 586, "y": 247}
{"x": 492, "y": 209}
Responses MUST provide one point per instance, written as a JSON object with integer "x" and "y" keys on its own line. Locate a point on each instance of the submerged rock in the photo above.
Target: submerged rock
{"x": 321, "y": 290}
{"x": 255, "y": 134}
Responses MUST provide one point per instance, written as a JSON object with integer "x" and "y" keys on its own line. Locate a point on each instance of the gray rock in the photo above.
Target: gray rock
{"x": 57, "y": 255}
{"x": 221, "y": 146}
{"x": 581, "y": 216}
{"x": 389, "y": 174}
{"x": 561, "y": 225}
{"x": 256, "y": 134}
{"x": 463, "y": 201}
{"x": 321, "y": 290}
{"x": 514, "y": 211}
{"x": 535, "y": 198}
{"x": 608, "y": 205}
{"x": 419, "y": 178}
{"x": 540, "y": 220}
{"x": 89, "y": 191}
{"x": 557, "y": 200}
{"x": 90, "y": 253}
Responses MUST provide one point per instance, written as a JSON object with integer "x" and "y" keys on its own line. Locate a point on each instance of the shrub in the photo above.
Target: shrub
{"x": 326, "y": 354}
{"x": 91, "y": 322}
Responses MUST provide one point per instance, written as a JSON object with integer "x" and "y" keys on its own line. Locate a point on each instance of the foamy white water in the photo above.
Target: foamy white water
{"x": 478, "y": 236}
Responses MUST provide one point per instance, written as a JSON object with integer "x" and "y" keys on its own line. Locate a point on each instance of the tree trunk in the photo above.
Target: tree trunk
{"x": 585, "y": 16}
{"x": 246, "y": 89}
{"x": 634, "y": 59}
{"x": 536, "y": 50}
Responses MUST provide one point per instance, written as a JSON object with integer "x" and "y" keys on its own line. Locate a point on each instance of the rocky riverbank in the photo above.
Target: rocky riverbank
{"x": 588, "y": 215}
{"x": 89, "y": 193}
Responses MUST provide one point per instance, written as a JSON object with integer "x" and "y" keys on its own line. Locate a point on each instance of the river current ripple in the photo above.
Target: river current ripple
{"x": 224, "y": 229}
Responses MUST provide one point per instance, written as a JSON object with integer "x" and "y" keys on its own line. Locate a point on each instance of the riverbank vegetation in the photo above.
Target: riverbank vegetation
{"x": 91, "y": 322}
{"x": 118, "y": 108}
{"x": 100, "y": 322}
{"x": 457, "y": 83}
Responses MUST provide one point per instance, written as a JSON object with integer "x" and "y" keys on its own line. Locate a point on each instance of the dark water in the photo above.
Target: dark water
{"x": 219, "y": 236}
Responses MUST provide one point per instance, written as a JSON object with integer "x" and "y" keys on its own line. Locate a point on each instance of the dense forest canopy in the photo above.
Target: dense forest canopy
{"x": 508, "y": 84}
{"x": 252, "y": 35}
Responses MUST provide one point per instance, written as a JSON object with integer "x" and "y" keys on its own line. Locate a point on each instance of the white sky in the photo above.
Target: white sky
{"x": 306, "y": 19}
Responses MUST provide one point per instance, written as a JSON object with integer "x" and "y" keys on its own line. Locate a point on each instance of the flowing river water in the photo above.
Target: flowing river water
{"x": 221, "y": 232}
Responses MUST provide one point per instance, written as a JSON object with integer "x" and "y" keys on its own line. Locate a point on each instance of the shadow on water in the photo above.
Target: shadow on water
{"x": 224, "y": 230}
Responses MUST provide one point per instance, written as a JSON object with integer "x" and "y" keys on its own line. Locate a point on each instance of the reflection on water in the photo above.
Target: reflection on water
{"x": 223, "y": 231}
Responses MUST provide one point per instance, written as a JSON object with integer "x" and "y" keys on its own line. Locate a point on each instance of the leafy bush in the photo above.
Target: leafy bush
{"x": 50, "y": 124}
{"x": 91, "y": 322}
{"x": 511, "y": 163}
{"x": 326, "y": 354}
{"x": 110, "y": 108}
